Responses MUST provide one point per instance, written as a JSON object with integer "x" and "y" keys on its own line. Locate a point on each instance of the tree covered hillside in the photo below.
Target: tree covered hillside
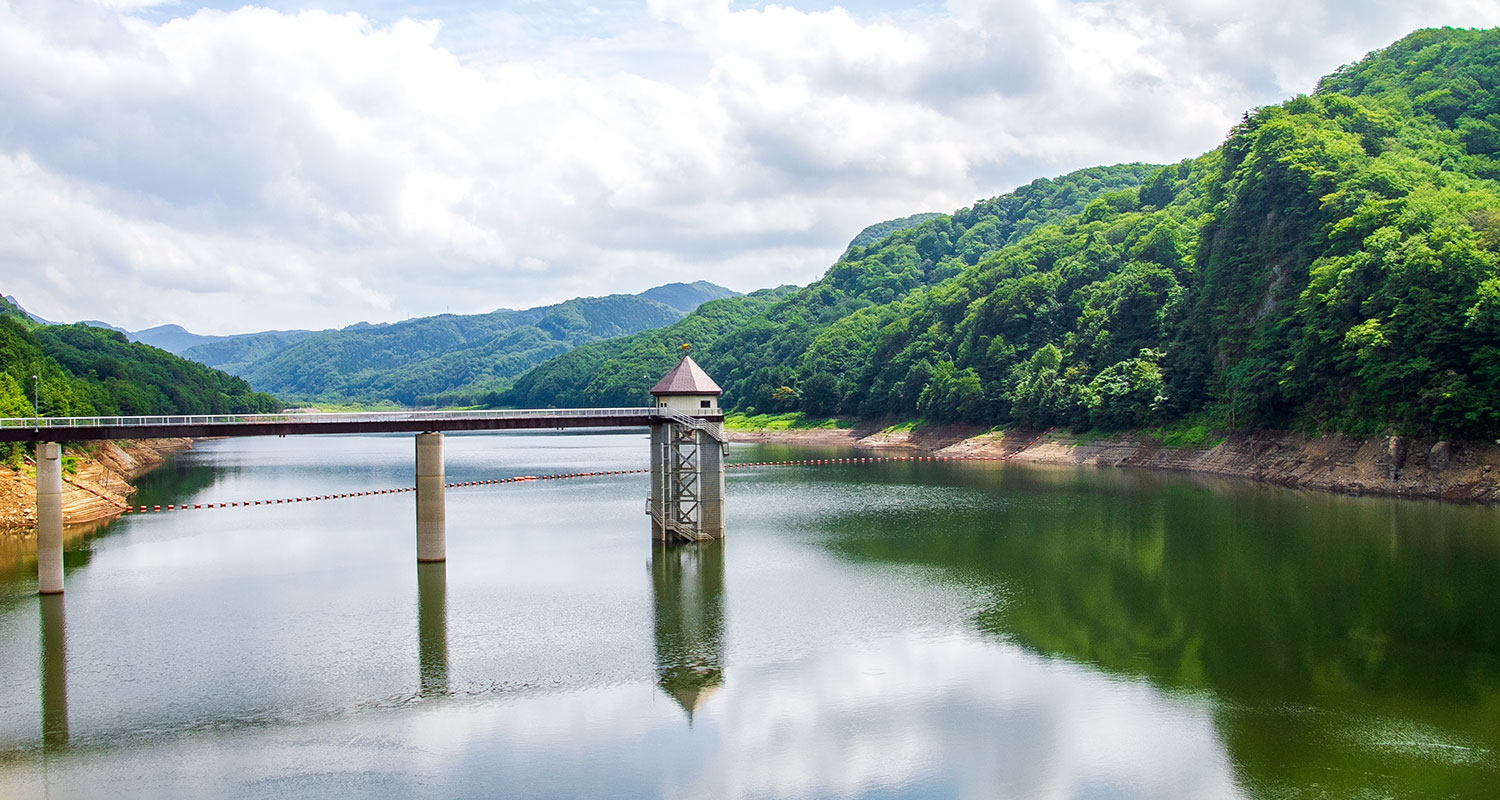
{"x": 447, "y": 359}
{"x": 686, "y": 297}
{"x": 881, "y": 230}
{"x": 616, "y": 372}
{"x": 750, "y": 345}
{"x": 239, "y": 354}
{"x": 1330, "y": 267}
{"x": 89, "y": 370}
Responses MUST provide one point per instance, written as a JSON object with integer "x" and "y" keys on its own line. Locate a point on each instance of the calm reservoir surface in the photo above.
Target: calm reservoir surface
{"x": 894, "y": 630}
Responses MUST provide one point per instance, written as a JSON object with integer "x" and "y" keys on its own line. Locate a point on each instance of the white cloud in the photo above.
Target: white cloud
{"x": 255, "y": 168}
{"x": 134, "y": 5}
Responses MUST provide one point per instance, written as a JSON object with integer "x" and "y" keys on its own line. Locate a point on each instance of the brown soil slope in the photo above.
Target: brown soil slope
{"x": 1448, "y": 470}
{"x": 100, "y": 487}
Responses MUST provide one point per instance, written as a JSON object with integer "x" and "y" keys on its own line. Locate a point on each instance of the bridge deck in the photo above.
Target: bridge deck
{"x": 76, "y": 429}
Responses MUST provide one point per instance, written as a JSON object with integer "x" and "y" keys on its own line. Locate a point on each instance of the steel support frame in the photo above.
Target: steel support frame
{"x": 683, "y": 479}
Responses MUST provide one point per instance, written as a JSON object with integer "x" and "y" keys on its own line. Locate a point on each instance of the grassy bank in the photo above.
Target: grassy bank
{"x": 791, "y": 421}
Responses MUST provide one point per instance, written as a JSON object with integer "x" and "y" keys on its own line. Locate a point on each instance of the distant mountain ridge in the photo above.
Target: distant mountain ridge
{"x": 237, "y": 354}
{"x": 443, "y": 359}
{"x": 686, "y": 297}
{"x": 177, "y": 340}
{"x": 12, "y": 305}
{"x": 448, "y": 359}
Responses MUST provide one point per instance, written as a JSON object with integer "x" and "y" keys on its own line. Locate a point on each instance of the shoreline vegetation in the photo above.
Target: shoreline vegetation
{"x": 1454, "y": 470}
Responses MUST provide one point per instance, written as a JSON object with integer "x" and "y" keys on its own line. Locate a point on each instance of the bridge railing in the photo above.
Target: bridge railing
{"x": 715, "y": 429}
{"x": 360, "y": 416}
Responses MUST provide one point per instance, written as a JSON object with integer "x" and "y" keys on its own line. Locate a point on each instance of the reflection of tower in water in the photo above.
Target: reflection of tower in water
{"x": 432, "y": 627}
{"x": 54, "y": 669}
{"x": 687, "y": 582}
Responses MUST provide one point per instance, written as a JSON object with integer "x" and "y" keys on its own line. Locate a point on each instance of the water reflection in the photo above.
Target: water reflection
{"x": 912, "y": 631}
{"x": 54, "y": 672}
{"x": 18, "y": 556}
{"x": 687, "y": 584}
{"x": 432, "y": 627}
{"x": 1350, "y": 636}
{"x": 180, "y": 479}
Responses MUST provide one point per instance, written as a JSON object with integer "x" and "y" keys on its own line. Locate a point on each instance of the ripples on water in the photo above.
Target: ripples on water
{"x": 873, "y": 630}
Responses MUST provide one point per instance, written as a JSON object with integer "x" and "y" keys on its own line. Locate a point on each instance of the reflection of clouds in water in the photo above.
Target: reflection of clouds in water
{"x": 959, "y": 715}
{"x": 852, "y": 683}
{"x": 954, "y": 716}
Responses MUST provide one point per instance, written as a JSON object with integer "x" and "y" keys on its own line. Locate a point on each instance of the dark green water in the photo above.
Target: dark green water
{"x": 900, "y": 630}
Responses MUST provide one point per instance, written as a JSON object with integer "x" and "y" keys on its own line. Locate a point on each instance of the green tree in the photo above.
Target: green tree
{"x": 1125, "y": 394}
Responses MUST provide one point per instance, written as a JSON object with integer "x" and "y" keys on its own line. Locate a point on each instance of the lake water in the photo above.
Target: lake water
{"x": 893, "y": 630}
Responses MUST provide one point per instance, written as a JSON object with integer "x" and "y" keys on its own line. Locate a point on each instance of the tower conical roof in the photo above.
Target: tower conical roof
{"x": 686, "y": 378}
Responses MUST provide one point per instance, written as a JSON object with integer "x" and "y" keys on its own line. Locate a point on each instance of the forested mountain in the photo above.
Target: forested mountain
{"x": 1330, "y": 267}
{"x": 240, "y": 353}
{"x": 88, "y": 370}
{"x": 446, "y": 359}
{"x": 9, "y": 304}
{"x": 752, "y": 343}
{"x": 686, "y": 297}
{"x": 237, "y": 354}
{"x": 880, "y": 230}
{"x": 177, "y": 340}
{"x": 617, "y": 372}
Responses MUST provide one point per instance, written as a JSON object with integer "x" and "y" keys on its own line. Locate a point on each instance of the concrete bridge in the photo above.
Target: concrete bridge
{"x": 686, "y": 500}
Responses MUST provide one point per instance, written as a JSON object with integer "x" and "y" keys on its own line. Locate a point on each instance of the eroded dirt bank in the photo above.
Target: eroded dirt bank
{"x": 1457, "y": 470}
{"x": 99, "y": 488}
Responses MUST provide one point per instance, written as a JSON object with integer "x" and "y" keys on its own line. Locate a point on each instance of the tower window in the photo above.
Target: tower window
{"x": 703, "y": 403}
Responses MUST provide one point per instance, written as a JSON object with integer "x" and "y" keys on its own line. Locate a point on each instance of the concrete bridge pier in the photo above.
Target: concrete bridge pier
{"x": 432, "y": 521}
{"x": 49, "y": 518}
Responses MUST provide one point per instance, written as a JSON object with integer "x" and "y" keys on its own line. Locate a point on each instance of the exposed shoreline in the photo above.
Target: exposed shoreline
{"x": 99, "y": 489}
{"x": 1453, "y": 470}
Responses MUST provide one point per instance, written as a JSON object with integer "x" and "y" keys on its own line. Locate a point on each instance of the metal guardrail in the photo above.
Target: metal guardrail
{"x": 363, "y": 416}
{"x": 715, "y": 429}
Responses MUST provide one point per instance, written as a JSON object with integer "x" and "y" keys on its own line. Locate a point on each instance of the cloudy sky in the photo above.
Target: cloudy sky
{"x": 313, "y": 164}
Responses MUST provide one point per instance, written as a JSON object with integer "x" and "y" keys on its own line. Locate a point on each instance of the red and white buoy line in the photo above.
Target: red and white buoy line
{"x": 346, "y": 495}
{"x": 806, "y": 462}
